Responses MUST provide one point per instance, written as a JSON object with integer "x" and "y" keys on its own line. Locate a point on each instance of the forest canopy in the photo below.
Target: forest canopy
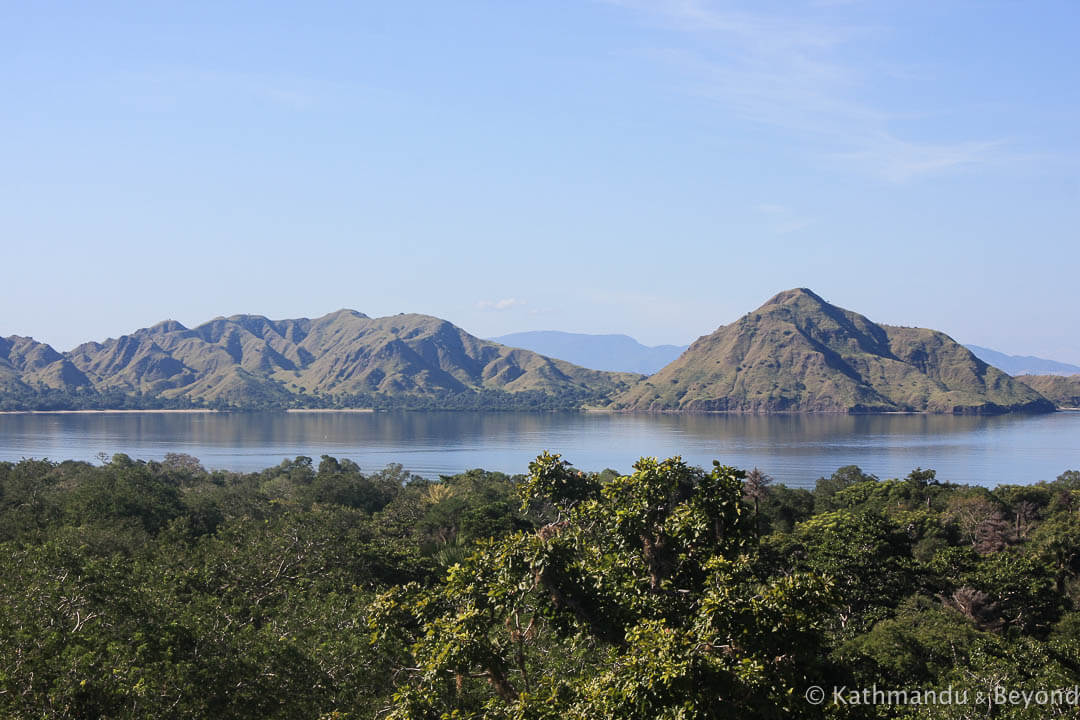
{"x": 135, "y": 589}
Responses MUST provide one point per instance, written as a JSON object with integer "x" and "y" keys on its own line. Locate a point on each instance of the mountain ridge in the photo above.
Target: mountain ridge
{"x": 796, "y": 353}
{"x": 232, "y": 360}
{"x": 799, "y": 353}
{"x": 1017, "y": 365}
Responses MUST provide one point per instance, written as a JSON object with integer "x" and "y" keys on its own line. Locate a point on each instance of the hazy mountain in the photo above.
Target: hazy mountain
{"x": 798, "y": 353}
{"x": 1063, "y": 391}
{"x": 1022, "y": 364}
{"x": 601, "y": 352}
{"x": 249, "y": 358}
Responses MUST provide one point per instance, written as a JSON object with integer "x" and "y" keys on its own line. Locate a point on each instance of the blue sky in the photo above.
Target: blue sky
{"x": 654, "y": 168}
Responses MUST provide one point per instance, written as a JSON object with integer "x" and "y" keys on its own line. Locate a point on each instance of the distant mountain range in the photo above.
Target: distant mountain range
{"x": 251, "y": 361}
{"x": 601, "y": 352}
{"x": 796, "y": 353}
{"x": 1022, "y": 364}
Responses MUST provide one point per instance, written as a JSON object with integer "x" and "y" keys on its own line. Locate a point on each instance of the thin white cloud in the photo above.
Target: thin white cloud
{"x": 788, "y": 72}
{"x": 500, "y": 305}
{"x": 899, "y": 161}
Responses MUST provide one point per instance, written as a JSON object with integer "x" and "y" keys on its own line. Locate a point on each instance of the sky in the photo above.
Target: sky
{"x": 655, "y": 168}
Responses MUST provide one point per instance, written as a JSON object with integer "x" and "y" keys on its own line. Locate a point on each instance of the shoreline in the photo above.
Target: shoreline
{"x": 330, "y": 410}
{"x": 104, "y": 412}
{"x": 587, "y": 410}
{"x": 183, "y": 411}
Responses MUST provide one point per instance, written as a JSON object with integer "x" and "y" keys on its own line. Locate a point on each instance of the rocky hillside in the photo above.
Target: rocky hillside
{"x": 1063, "y": 391}
{"x": 246, "y": 358}
{"x": 26, "y": 363}
{"x": 798, "y": 353}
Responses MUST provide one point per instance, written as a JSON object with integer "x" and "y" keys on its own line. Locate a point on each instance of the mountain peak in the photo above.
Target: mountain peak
{"x": 345, "y": 312}
{"x": 798, "y": 353}
{"x": 166, "y": 326}
{"x": 242, "y": 318}
{"x": 794, "y": 296}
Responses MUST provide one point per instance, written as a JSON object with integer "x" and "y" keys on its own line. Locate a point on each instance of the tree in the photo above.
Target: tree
{"x": 980, "y": 520}
{"x": 826, "y": 487}
{"x": 638, "y": 601}
{"x": 867, "y": 555}
{"x": 756, "y": 488}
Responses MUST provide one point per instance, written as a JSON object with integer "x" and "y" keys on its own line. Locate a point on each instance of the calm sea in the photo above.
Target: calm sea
{"x": 793, "y": 449}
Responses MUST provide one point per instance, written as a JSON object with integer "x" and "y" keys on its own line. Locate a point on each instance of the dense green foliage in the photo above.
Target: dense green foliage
{"x": 314, "y": 590}
{"x": 46, "y": 398}
{"x": 141, "y": 590}
{"x": 43, "y": 398}
{"x": 487, "y": 400}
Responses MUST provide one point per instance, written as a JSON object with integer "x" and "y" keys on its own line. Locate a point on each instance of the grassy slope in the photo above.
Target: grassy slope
{"x": 24, "y": 362}
{"x": 798, "y": 353}
{"x": 794, "y": 354}
{"x": 1062, "y": 390}
{"x": 244, "y": 356}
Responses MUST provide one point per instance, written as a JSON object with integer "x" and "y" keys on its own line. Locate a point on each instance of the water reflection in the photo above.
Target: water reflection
{"x": 796, "y": 449}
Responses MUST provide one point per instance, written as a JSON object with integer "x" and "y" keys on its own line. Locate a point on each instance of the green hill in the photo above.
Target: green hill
{"x": 798, "y": 353}
{"x": 345, "y": 357}
{"x": 26, "y": 363}
{"x": 1062, "y": 390}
